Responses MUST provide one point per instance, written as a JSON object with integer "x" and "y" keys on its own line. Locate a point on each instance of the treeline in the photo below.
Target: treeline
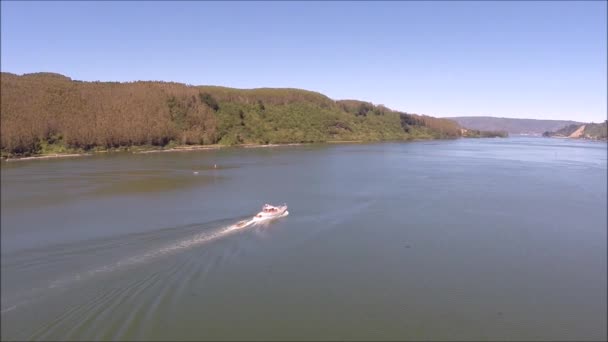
{"x": 596, "y": 131}
{"x": 44, "y": 111}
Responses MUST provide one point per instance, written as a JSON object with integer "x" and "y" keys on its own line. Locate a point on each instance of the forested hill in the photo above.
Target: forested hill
{"x": 513, "y": 126}
{"x": 44, "y": 110}
{"x": 593, "y": 131}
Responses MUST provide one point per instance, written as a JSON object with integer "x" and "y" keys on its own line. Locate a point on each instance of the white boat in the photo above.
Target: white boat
{"x": 270, "y": 212}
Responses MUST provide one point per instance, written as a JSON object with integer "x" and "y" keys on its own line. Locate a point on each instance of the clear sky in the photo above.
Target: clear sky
{"x": 544, "y": 60}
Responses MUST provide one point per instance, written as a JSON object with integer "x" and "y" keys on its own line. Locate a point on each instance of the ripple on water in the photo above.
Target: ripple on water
{"x": 99, "y": 294}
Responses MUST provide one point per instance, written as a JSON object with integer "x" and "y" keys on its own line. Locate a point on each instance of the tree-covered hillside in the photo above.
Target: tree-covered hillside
{"x": 45, "y": 111}
{"x": 593, "y": 131}
{"x": 596, "y": 131}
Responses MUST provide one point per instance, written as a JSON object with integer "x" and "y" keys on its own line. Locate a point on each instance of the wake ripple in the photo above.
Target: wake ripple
{"x": 191, "y": 242}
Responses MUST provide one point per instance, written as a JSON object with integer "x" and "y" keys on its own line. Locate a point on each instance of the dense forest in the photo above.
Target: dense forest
{"x": 597, "y": 131}
{"x": 46, "y": 112}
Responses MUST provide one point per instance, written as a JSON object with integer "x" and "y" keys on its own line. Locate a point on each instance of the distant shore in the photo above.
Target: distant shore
{"x": 182, "y": 148}
{"x": 140, "y": 150}
{"x": 50, "y": 156}
{"x": 575, "y": 138}
{"x": 186, "y": 148}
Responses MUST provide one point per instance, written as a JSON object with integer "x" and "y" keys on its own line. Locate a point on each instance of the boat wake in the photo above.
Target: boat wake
{"x": 191, "y": 242}
{"x": 194, "y": 241}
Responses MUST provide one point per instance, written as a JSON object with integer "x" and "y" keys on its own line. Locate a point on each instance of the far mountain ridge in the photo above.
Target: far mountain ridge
{"x": 512, "y": 125}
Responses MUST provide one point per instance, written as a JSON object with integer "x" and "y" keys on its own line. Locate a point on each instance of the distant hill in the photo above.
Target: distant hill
{"x": 43, "y": 113}
{"x": 592, "y": 131}
{"x": 513, "y": 126}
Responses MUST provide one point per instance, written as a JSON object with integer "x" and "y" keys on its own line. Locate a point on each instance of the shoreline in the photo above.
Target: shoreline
{"x": 49, "y": 156}
{"x": 184, "y": 148}
{"x": 137, "y": 150}
{"x": 190, "y": 148}
{"x": 573, "y": 138}
{"x": 270, "y": 145}
{"x": 349, "y": 141}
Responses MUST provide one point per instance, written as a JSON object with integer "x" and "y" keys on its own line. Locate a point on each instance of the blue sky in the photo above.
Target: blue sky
{"x": 544, "y": 60}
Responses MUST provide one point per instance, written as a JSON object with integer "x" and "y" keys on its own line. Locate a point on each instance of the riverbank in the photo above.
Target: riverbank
{"x": 184, "y": 148}
{"x": 143, "y": 150}
{"x": 50, "y": 156}
{"x": 577, "y": 138}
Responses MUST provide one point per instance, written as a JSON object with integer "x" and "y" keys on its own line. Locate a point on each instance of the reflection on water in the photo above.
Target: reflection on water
{"x": 467, "y": 239}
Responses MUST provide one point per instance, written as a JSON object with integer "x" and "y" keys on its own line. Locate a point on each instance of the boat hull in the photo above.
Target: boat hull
{"x": 262, "y": 216}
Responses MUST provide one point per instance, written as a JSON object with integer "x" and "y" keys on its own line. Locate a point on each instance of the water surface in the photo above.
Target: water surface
{"x": 464, "y": 239}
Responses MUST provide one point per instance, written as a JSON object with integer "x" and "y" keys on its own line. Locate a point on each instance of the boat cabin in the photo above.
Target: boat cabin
{"x": 269, "y": 209}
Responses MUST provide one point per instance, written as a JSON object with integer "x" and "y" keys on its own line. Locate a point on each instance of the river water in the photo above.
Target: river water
{"x": 461, "y": 239}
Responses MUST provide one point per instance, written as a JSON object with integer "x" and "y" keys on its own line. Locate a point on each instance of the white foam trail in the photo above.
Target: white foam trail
{"x": 191, "y": 242}
{"x": 196, "y": 240}
{"x": 185, "y": 244}
{"x": 9, "y": 309}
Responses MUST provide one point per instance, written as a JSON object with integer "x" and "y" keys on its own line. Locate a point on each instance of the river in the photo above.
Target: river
{"x": 438, "y": 240}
